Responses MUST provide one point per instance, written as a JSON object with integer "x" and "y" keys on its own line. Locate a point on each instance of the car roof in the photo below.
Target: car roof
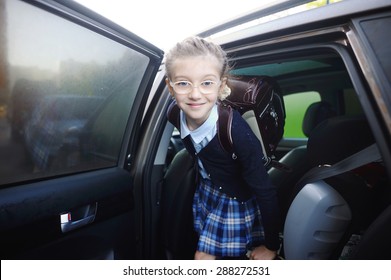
{"x": 328, "y": 15}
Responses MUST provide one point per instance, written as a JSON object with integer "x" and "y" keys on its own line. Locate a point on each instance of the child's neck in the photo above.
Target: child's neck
{"x": 193, "y": 125}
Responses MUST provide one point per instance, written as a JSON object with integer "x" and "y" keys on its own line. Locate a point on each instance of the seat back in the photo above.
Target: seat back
{"x": 297, "y": 159}
{"x": 375, "y": 244}
{"x": 316, "y": 113}
{"x": 178, "y": 235}
{"x": 323, "y": 214}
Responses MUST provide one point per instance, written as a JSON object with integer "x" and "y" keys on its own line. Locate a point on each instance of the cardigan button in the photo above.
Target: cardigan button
{"x": 220, "y": 188}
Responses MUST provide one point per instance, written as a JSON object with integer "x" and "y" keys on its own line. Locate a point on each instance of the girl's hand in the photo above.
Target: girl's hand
{"x": 262, "y": 253}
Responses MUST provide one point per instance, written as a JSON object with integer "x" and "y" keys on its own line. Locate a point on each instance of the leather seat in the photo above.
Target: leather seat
{"x": 178, "y": 235}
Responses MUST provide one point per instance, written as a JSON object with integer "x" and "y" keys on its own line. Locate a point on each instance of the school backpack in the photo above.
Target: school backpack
{"x": 258, "y": 99}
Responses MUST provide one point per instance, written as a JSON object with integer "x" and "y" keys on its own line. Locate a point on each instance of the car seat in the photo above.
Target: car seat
{"x": 315, "y": 114}
{"x": 297, "y": 160}
{"x": 375, "y": 243}
{"x": 324, "y": 214}
{"x": 178, "y": 236}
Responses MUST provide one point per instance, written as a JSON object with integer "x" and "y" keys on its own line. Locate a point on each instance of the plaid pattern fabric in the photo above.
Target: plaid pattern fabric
{"x": 226, "y": 227}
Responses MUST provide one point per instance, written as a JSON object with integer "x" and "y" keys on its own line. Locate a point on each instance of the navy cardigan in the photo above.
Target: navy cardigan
{"x": 244, "y": 176}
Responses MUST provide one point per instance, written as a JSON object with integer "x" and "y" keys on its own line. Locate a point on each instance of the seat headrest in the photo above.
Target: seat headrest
{"x": 337, "y": 138}
{"x": 315, "y": 114}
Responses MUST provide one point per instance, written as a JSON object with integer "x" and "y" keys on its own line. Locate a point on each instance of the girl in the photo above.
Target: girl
{"x": 231, "y": 193}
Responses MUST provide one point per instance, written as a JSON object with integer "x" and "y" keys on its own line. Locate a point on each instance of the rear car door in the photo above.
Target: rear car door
{"x": 72, "y": 96}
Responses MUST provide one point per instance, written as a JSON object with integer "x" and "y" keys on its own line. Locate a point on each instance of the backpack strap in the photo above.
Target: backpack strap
{"x": 173, "y": 115}
{"x": 224, "y": 128}
{"x": 225, "y": 137}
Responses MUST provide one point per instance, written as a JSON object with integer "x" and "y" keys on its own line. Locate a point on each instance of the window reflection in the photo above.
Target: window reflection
{"x": 65, "y": 94}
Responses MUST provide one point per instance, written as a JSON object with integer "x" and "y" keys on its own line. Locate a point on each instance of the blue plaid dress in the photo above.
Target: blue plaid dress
{"x": 226, "y": 227}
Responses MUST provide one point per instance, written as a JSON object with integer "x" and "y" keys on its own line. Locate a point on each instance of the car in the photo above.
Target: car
{"x": 128, "y": 194}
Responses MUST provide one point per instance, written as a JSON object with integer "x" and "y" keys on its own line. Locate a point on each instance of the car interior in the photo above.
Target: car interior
{"x": 329, "y": 215}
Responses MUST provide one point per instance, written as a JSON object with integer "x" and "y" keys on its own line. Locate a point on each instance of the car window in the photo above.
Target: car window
{"x": 296, "y": 105}
{"x": 66, "y": 97}
{"x": 376, "y": 44}
{"x": 352, "y": 106}
{"x": 379, "y": 41}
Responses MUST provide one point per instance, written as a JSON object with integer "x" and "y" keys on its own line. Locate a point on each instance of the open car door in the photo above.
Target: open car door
{"x": 73, "y": 90}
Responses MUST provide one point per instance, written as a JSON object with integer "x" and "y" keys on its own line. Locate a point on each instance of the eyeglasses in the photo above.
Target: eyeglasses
{"x": 205, "y": 87}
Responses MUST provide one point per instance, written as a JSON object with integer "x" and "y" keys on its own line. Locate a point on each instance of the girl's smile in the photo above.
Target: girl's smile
{"x": 196, "y": 70}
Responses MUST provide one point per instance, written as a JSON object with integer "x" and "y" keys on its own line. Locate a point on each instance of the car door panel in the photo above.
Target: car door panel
{"x": 29, "y": 209}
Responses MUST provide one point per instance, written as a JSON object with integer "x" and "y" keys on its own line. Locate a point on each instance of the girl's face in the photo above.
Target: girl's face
{"x": 196, "y": 70}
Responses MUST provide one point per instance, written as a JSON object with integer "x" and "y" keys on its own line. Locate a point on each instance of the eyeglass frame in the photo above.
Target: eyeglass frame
{"x": 172, "y": 84}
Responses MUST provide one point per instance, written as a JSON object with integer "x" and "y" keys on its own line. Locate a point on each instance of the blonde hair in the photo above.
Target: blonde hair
{"x": 196, "y": 46}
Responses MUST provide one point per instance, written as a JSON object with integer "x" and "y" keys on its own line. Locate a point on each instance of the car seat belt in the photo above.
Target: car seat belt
{"x": 365, "y": 156}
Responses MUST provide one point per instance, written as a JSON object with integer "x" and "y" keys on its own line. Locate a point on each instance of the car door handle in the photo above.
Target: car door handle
{"x": 79, "y": 217}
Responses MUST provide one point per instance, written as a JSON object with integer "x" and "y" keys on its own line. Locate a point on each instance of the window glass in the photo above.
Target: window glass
{"x": 65, "y": 94}
{"x": 295, "y": 106}
{"x": 377, "y": 42}
{"x": 377, "y": 33}
{"x": 352, "y": 104}
{"x": 283, "y": 68}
